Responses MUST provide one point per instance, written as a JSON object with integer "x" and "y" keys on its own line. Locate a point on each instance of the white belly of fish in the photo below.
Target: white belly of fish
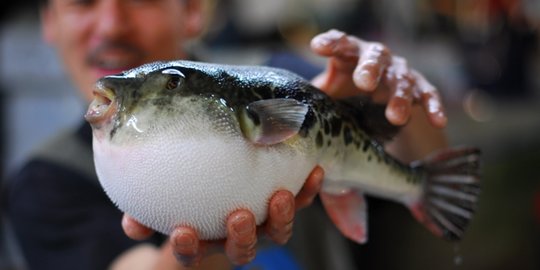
{"x": 197, "y": 182}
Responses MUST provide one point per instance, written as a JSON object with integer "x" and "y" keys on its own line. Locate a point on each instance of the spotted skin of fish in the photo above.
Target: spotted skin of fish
{"x": 253, "y": 130}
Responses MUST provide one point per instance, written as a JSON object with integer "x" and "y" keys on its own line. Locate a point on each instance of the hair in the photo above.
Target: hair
{"x": 44, "y": 3}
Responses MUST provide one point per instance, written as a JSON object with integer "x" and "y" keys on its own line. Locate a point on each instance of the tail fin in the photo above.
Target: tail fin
{"x": 451, "y": 189}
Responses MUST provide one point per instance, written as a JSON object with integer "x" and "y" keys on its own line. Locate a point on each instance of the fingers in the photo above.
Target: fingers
{"x": 343, "y": 56}
{"x": 241, "y": 237}
{"x": 373, "y": 61}
{"x": 401, "y": 82}
{"x": 310, "y": 189}
{"x": 431, "y": 101}
{"x": 338, "y": 45}
{"x": 240, "y": 245}
{"x": 366, "y": 61}
{"x": 134, "y": 229}
{"x": 283, "y": 205}
{"x": 357, "y": 66}
{"x": 408, "y": 87}
{"x": 186, "y": 246}
{"x": 280, "y": 217}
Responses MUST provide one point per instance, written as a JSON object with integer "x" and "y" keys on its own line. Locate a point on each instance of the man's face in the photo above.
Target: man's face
{"x": 95, "y": 38}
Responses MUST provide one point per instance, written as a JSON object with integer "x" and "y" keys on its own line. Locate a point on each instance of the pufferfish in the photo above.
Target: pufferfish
{"x": 186, "y": 143}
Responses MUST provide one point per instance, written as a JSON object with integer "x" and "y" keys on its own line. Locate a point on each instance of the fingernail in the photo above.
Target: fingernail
{"x": 322, "y": 41}
{"x": 185, "y": 242}
{"x": 243, "y": 225}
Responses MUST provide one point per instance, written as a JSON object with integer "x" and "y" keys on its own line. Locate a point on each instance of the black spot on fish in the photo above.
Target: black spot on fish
{"x": 347, "y": 136}
{"x": 309, "y": 121}
{"x": 329, "y": 143}
{"x": 319, "y": 139}
{"x": 326, "y": 127}
{"x": 369, "y": 158}
{"x": 263, "y": 92}
{"x": 366, "y": 145}
{"x": 135, "y": 95}
{"x": 336, "y": 126}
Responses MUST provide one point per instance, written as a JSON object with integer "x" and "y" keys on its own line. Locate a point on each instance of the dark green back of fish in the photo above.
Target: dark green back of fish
{"x": 238, "y": 86}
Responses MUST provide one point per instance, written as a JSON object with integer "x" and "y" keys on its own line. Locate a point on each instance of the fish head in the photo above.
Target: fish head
{"x": 131, "y": 101}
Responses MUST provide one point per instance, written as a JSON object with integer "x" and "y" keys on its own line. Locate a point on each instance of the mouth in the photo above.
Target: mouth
{"x": 102, "y": 68}
{"x": 113, "y": 59}
{"x": 102, "y": 107}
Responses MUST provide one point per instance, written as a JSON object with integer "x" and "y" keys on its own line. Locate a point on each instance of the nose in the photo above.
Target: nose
{"x": 103, "y": 107}
{"x": 113, "y": 20}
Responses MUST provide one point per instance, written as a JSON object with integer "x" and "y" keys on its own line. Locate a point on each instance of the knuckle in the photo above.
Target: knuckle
{"x": 336, "y": 34}
{"x": 401, "y": 92}
{"x": 244, "y": 246}
{"x": 379, "y": 47}
{"x": 371, "y": 63}
{"x": 284, "y": 225}
{"x": 399, "y": 60}
{"x": 432, "y": 91}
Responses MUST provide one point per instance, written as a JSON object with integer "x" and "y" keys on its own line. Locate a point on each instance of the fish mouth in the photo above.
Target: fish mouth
{"x": 102, "y": 108}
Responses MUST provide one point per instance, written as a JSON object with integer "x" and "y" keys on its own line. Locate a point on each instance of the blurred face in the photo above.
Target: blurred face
{"x": 95, "y": 38}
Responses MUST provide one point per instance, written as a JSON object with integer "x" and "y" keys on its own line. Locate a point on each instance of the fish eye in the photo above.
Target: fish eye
{"x": 174, "y": 78}
{"x": 172, "y": 83}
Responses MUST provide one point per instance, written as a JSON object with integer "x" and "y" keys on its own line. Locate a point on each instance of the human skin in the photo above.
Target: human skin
{"x": 95, "y": 38}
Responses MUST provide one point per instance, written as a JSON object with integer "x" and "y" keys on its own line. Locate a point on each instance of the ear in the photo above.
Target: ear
{"x": 195, "y": 12}
{"x": 47, "y": 24}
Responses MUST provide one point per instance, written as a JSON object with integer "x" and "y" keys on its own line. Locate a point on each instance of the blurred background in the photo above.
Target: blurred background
{"x": 482, "y": 55}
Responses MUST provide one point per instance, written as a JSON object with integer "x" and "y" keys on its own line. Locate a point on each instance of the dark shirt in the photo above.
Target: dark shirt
{"x": 61, "y": 216}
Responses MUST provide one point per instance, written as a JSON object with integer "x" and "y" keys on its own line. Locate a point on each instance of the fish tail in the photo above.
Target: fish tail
{"x": 450, "y": 192}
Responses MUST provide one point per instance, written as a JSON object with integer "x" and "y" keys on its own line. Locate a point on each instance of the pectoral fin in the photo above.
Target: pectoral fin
{"x": 347, "y": 209}
{"x": 272, "y": 121}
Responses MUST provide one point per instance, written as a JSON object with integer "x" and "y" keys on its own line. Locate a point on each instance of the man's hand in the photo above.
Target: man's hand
{"x": 356, "y": 66}
{"x": 241, "y": 229}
